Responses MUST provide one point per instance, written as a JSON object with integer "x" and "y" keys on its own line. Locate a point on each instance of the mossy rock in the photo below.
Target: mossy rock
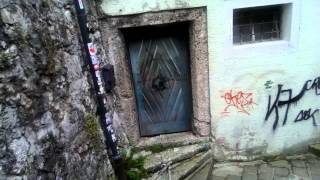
{"x": 158, "y": 148}
{"x": 91, "y": 127}
{"x": 134, "y": 168}
{"x": 22, "y": 37}
{"x": 6, "y": 61}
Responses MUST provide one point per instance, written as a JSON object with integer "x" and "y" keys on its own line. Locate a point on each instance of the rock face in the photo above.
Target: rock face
{"x": 45, "y": 95}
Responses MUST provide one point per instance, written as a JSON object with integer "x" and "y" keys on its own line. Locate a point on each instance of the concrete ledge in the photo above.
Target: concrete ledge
{"x": 172, "y": 140}
{"x": 185, "y": 168}
{"x": 157, "y": 161}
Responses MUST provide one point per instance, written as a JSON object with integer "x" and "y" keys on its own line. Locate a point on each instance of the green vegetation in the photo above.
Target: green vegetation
{"x": 154, "y": 148}
{"x": 5, "y": 61}
{"x": 134, "y": 168}
{"x": 270, "y": 158}
{"x": 22, "y": 39}
{"x": 45, "y": 4}
{"x": 158, "y": 148}
{"x": 92, "y": 129}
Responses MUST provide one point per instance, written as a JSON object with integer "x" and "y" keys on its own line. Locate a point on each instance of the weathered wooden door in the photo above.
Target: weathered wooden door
{"x": 160, "y": 67}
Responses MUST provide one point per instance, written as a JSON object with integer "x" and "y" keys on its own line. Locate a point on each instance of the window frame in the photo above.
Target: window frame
{"x": 289, "y": 41}
{"x": 253, "y": 17}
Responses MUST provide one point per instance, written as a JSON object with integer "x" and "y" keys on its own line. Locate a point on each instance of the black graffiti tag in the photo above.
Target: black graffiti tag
{"x": 306, "y": 115}
{"x": 273, "y": 108}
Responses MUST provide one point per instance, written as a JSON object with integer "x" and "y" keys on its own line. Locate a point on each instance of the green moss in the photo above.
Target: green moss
{"x": 5, "y": 61}
{"x": 273, "y": 157}
{"x": 158, "y": 148}
{"x": 134, "y": 150}
{"x": 134, "y": 168}
{"x": 22, "y": 39}
{"x": 45, "y": 4}
{"x": 92, "y": 129}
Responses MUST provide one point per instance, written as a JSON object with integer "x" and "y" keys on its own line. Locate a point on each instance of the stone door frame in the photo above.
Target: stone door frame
{"x": 117, "y": 54}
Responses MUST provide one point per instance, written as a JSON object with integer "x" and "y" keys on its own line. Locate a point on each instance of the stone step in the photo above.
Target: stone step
{"x": 184, "y": 169}
{"x": 203, "y": 172}
{"x": 315, "y": 149}
{"x": 172, "y": 140}
{"x": 168, "y": 157}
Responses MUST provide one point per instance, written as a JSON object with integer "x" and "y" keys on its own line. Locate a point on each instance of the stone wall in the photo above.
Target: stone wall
{"x": 48, "y": 128}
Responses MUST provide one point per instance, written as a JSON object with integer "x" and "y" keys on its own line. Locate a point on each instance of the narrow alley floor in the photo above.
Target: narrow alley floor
{"x": 202, "y": 166}
{"x": 298, "y": 167}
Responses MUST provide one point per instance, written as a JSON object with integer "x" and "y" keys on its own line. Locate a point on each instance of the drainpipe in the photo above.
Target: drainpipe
{"x": 105, "y": 120}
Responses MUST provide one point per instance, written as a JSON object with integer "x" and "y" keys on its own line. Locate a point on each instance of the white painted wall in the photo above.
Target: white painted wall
{"x": 246, "y": 68}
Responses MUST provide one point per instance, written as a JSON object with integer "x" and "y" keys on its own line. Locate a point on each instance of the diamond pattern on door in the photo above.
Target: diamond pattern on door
{"x": 160, "y": 67}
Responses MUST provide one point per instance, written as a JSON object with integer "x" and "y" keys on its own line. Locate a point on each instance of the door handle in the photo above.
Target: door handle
{"x": 159, "y": 83}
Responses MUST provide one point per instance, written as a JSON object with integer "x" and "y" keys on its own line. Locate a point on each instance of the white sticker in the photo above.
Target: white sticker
{"x": 92, "y": 49}
{"x": 108, "y": 121}
{"x": 94, "y": 59}
{"x": 109, "y": 128}
{"x": 101, "y": 89}
{"x": 114, "y": 139}
{"x": 98, "y": 77}
{"x": 80, "y": 4}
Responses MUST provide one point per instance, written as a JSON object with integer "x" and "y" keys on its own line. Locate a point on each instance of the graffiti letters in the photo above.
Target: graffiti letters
{"x": 277, "y": 104}
{"x": 241, "y": 101}
{"x": 306, "y": 115}
{"x": 268, "y": 84}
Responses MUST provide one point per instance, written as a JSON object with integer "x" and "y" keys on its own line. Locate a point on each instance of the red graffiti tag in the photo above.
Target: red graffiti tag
{"x": 243, "y": 102}
{"x": 92, "y": 50}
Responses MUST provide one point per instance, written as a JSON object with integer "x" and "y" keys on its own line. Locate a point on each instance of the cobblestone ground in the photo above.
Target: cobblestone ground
{"x": 299, "y": 167}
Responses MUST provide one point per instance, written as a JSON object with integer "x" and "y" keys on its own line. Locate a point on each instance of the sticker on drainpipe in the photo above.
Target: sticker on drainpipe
{"x": 80, "y": 4}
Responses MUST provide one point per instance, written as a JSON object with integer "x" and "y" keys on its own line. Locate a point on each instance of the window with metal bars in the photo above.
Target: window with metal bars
{"x": 257, "y": 24}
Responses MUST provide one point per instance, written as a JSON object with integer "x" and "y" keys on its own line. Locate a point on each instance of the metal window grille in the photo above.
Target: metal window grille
{"x": 251, "y": 25}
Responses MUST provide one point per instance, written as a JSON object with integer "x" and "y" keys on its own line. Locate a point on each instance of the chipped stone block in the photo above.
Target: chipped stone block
{"x": 298, "y": 163}
{"x": 315, "y": 149}
{"x": 281, "y": 172}
{"x": 265, "y": 172}
{"x": 247, "y": 176}
{"x": 280, "y": 163}
{"x": 227, "y": 169}
{"x": 183, "y": 169}
{"x": 171, "y": 156}
{"x": 250, "y": 169}
{"x": 203, "y": 173}
{"x": 300, "y": 171}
